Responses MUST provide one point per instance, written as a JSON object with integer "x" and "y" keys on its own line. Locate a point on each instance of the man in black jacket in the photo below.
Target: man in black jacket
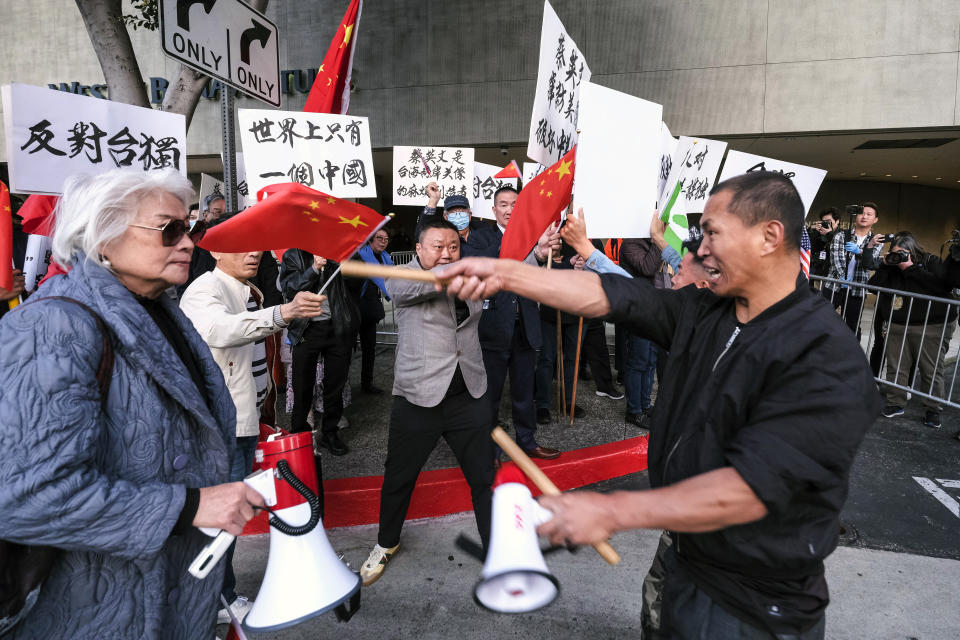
{"x": 330, "y": 335}
{"x": 763, "y": 405}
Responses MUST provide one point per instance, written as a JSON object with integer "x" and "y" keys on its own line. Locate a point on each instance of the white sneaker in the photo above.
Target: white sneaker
{"x": 241, "y": 607}
{"x": 376, "y": 562}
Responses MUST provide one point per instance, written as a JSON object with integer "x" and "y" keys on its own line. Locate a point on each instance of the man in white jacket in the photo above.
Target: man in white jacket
{"x": 227, "y": 312}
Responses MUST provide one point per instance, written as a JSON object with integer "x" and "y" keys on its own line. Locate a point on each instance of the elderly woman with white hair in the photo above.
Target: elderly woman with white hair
{"x": 117, "y": 477}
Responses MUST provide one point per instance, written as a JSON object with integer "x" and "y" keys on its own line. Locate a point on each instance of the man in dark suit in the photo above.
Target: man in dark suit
{"x": 510, "y": 331}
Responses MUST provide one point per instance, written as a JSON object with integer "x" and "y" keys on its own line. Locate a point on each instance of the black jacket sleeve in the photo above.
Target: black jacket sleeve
{"x": 297, "y": 273}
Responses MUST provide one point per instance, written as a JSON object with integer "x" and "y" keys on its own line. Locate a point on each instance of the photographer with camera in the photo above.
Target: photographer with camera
{"x": 915, "y": 329}
{"x": 821, "y": 235}
{"x": 853, "y": 253}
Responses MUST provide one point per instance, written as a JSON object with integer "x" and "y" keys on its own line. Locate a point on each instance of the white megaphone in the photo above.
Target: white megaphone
{"x": 515, "y": 578}
{"x": 304, "y": 576}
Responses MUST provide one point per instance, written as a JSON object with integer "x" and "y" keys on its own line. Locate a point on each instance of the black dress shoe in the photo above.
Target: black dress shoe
{"x": 544, "y": 453}
{"x": 543, "y": 416}
{"x": 333, "y": 444}
{"x": 372, "y": 390}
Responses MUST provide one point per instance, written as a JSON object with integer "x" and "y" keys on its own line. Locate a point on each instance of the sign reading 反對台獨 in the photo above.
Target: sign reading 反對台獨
{"x": 618, "y": 157}
{"x": 553, "y": 125}
{"x": 695, "y": 167}
{"x": 416, "y": 167}
{"x": 324, "y": 151}
{"x": 484, "y": 186}
{"x": 807, "y": 180}
{"x": 227, "y": 40}
{"x": 53, "y": 134}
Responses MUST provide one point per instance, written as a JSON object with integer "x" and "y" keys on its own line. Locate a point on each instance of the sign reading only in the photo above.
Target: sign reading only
{"x": 227, "y": 40}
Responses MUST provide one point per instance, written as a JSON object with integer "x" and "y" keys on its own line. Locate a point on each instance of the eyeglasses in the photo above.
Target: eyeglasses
{"x": 174, "y": 230}
{"x": 382, "y": 238}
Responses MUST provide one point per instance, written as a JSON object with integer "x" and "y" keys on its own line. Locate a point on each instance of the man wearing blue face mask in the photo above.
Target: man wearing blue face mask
{"x": 456, "y": 210}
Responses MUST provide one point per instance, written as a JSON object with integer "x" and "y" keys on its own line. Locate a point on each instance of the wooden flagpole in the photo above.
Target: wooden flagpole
{"x": 576, "y": 370}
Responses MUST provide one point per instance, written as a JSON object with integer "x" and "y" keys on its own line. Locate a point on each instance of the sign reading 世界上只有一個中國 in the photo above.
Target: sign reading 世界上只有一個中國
{"x": 324, "y": 151}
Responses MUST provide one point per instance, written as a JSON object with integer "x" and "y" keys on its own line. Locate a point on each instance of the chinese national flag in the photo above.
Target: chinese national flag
{"x": 6, "y": 239}
{"x": 330, "y": 92}
{"x": 512, "y": 170}
{"x": 37, "y": 214}
{"x": 540, "y": 203}
{"x": 292, "y": 215}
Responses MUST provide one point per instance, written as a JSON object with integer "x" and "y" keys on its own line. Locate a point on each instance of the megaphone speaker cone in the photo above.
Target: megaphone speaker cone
{"x": 516, "y": 591}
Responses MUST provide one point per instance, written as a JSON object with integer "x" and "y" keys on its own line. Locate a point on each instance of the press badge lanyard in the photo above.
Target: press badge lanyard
{"x": 729, "y": 344}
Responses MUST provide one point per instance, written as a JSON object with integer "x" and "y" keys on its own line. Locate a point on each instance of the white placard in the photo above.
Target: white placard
{"x": 531, "y": 170}
{"x": 553, "y": 125}
{"x": 807, "y": 180}
{"x": 209, "y": 186}
{"x": 54, "y": 134}
{"x": 668, "y": 149}
{"x": 416, "y": 167}
{"x": 36, "y": 260}
{"x": 323, "y": 151}
{"x": 695, "y": 167}
{"x": 618, "y": 158}
{"x": 484, "y": 186}
{"x": 244, "y": 197}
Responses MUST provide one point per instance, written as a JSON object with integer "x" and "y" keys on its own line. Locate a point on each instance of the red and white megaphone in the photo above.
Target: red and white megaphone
{"x": 515, "y": 578}
{"x": 304, "y": 576}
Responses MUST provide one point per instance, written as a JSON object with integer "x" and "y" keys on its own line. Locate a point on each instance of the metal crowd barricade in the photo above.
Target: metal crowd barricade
{"x": 888, "y": 365}
{"x": 387, "y": 329}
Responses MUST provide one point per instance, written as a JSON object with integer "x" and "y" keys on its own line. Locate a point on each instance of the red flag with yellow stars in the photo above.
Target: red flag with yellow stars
{"x": 289, "y": 214}
{"x": 6, "y": 239}
{"x": 512, "y": 170}
{"x": 540, "y": 203}
{"x": 330, "y": 92}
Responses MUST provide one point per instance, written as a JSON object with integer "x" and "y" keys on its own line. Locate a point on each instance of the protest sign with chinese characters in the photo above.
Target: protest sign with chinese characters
{"x": 323, "y": 151}
{"x": 416, "y": 167}
{"x": 54, "y": 134}
{"x": 208, "y": 187}
{"x": 618, "y": 158}
{"x": 553, "y": 125}
{"x": 695, "y": 167}
{"x": 668, "y": 149}
{"x": 484, "y": 186}
{"x": 531, "y": 170}
{"x": 807, "y": 180}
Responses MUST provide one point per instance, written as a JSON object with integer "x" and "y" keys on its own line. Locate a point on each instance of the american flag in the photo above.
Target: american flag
{"x": 805, "y": 253}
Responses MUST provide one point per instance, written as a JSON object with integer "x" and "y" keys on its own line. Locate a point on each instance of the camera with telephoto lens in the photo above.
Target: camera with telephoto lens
{"x": 896, "y": 257}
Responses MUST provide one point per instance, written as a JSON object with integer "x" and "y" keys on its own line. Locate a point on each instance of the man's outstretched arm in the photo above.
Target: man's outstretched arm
{"x": 575, "y": 292}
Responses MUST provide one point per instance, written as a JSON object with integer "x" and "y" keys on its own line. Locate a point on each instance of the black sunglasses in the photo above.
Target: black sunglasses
{"x": 174, "y": 230}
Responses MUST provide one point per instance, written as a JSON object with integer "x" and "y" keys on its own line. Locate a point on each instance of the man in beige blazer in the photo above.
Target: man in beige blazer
{"x": 438, "y": 388}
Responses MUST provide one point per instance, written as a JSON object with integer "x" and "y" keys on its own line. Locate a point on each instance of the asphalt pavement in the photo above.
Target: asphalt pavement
{"x": 893, "y": 577}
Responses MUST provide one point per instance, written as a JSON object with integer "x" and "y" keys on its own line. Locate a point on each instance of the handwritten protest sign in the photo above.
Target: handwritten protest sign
{"x": 323, "y": 151}
{"x": 54, "y": 134}
{"x": 618, "y": 157}
{"x": 807, "y": 180}
{"x": 697, "y": 161}
{"x": 36, "y": 260}
{"x": 531, "y": 170}
{"x": 484, "y": 186}
{"x": 416, "y": 167}
{"x": 553, "y": 125}
{"x": 208, "y": 187}
{"x": 668, "y": 149}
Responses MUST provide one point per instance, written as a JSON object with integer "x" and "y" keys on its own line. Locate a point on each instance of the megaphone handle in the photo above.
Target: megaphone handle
{"x": 545, "y": 484}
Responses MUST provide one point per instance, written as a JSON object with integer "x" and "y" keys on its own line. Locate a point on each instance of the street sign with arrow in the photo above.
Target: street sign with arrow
{"x": 227, "y": 40}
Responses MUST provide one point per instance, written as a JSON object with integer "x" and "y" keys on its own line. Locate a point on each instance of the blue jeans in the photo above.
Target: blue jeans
{"x": 640, "y": 367}
{"x": 240, "y": 469}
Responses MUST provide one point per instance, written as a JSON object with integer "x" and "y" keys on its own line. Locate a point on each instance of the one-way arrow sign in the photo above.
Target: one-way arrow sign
{"x": 216, "y": 37}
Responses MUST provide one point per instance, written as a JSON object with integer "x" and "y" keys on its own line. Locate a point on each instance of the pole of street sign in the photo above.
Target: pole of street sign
{"x": 228, "y": 143}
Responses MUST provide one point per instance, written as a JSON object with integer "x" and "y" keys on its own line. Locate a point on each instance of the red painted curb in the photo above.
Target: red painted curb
{"x": 355, "y": 501}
